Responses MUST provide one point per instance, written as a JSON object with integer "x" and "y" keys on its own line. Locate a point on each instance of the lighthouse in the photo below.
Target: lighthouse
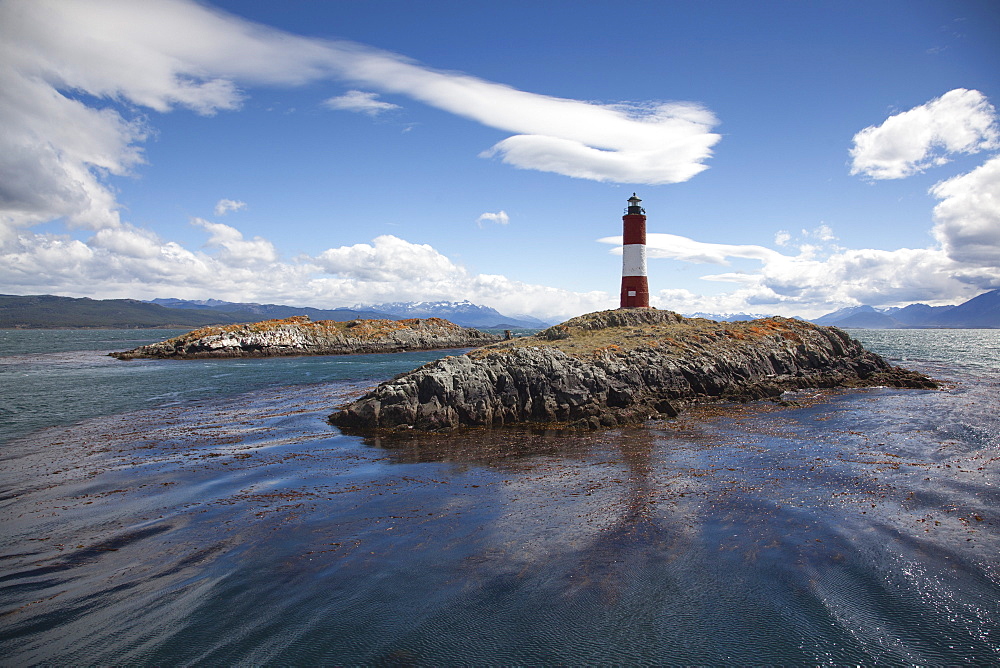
{"x": 635, "y": 288}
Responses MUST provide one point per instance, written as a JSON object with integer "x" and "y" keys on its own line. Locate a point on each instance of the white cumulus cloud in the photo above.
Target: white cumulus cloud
{"x": 500, "y": 218}
{"x": 967, "y": 219}
{"x": 960, "y": 121}
{"x": 816, "y": 278}
{"x": 360, "y": 101}
{"x": 388, "y": 259}
{"x": 234, "y": 250}
{"x": 224, "y": 206}
{"x": 130, "y": 262}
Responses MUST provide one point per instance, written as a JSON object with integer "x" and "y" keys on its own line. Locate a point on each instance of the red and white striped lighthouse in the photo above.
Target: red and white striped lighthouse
{"x": 635, "y": 287}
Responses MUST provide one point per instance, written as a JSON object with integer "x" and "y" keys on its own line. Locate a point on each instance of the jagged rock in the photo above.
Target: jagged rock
{"x": 615, "y": 367}
{"x": 300, "y": 336}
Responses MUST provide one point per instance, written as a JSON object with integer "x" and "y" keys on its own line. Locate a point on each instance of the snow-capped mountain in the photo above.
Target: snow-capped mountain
{"x": 463, "y": 313}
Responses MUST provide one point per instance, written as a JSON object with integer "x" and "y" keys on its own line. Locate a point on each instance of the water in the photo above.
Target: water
{"x": 52, "y": 377}
{"x": 204, "y": 512}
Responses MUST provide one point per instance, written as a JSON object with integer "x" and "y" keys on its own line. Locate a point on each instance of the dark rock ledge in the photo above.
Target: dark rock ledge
{"x": 618, "y": 367}
{"x": 300, "y": 336}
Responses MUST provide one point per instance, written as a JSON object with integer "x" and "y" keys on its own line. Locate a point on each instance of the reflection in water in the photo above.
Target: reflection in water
{"x": 855, "y": 527}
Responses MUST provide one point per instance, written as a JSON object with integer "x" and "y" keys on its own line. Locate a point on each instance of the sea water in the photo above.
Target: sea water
{"x": 180, "y": 512}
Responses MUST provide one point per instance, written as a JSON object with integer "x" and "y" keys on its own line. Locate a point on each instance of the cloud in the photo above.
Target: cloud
{"x": 129, "y": 262}
{"x": 119, "y": 262}
{"x": 393, "y": 269}
{"x": 224, "y": 206}
{"x": 388, "y": 259}
{"x": 356, "y": 100}
{"x": 78, "y": 80}
{"x": 960, "y": 121}
{"x": 820, "y": 277}
{"x": 76, "y": 77}
{"x": 861, "y": 276}
{"x": 126, "y": 261}
{"x": 967, "y": 219}
{"x": 234, "y": 250}
{"x": 810, "y": 286}
{"x": 823, "y": 233}
{"x": 675, "y": 247}
{"x": 126, "y": 242}
{"x": 500, "y": 218}
{"x": 56, "y": 153}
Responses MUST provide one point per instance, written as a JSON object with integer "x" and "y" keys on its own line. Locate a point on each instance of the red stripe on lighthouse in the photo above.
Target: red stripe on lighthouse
{"x": 635, "y": 292}
{"x": 635, "y": 229}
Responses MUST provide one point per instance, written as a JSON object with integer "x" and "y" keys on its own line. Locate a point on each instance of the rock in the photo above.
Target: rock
{"x": 299, "y": 336}
{"x": 618, "y": 367}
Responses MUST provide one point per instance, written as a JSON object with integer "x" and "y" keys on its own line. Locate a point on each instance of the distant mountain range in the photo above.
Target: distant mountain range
{"x": 48, "y": 311}
{"x": 251, "y": 311}
{"x": 979, "y": 312}
{"x": 463, "y": 313}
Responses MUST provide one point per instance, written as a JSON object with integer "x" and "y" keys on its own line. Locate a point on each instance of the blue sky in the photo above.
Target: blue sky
{"x": 793, "y": 157}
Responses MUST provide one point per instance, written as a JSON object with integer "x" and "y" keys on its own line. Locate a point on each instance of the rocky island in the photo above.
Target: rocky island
{"x": 300, "y": 336}
{"x": 619, "y": 367}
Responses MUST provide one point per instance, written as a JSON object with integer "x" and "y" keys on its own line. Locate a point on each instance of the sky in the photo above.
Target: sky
{"x": 793, "y": 157}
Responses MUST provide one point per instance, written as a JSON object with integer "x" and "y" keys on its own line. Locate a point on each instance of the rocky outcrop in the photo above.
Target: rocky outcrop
{"x": 616, "y": 367}
{"x": 299, "y": 336}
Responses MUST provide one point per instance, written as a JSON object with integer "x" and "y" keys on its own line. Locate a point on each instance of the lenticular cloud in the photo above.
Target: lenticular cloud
{"x": 182, "y": 54}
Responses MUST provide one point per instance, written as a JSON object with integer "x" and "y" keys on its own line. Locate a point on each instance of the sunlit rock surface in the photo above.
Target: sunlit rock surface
{"x": 300, "y": 336}
{"x": 617, "y": 367}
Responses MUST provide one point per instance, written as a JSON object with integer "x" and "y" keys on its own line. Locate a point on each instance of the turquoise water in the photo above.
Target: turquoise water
{"x": 205, "y": 512}
{"x": 54, "y": 377}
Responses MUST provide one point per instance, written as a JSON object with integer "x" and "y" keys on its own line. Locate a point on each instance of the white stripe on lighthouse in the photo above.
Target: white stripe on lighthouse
{"x": 634, "y": 260}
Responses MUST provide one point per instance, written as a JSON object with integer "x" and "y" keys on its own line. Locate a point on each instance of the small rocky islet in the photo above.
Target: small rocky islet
{"x": 298, "y": 335}
{"x": 617, "y": 367}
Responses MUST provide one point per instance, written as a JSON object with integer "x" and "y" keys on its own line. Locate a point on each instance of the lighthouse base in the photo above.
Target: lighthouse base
{"x": 635, "y": 292}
